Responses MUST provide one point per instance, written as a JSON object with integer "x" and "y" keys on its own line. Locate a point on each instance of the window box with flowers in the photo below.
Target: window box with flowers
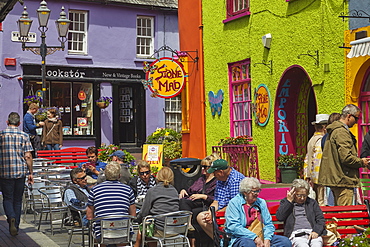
{"x": 290, "y": 166}
{"x": 104, "y": 101}
{"x": 239, "y": 140}
{"x": 171, "y": 140}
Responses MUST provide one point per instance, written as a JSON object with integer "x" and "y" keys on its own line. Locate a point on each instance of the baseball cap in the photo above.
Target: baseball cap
{"x": 219, "y": 164}
{"x": 120, "y": 154}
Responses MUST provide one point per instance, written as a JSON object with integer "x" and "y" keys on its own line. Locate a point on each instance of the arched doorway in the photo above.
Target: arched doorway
{"x": 295, "y": 109}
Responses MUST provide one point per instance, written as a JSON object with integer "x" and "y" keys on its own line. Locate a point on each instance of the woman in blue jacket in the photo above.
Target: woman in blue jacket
{"x": 241, "y": 212}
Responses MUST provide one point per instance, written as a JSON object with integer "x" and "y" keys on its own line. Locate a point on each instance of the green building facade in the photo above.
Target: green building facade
{"x": 303, "y": 71}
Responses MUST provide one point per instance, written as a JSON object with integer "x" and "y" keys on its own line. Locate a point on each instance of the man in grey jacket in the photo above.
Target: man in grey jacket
{"x": 340, "y": 163}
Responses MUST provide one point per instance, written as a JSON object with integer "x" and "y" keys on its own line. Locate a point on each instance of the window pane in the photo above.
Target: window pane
{"x": 77, "y": 32}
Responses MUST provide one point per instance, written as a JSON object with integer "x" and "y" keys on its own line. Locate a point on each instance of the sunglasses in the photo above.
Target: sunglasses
{"x": 356, "y": 118}
{"x": 206, "y": 167}
{"x": 144, "y": 173}
{"x": 256, "y": 191}
{"x": 81, "y": 178}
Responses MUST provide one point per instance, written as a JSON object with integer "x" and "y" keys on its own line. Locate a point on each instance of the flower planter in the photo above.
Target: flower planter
{"x": 288, "y": 174}
{"x": 102, "y": 105}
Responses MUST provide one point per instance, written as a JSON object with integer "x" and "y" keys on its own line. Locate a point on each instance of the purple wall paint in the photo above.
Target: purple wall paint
{"x": 111, "y": 44}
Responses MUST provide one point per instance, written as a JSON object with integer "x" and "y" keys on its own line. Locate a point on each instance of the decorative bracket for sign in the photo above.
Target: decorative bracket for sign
{"x": 356, "y": 14}
{"x": 268, "y": 65}
{"x": 315, "y": 56}
{"x": 177, "y": 54}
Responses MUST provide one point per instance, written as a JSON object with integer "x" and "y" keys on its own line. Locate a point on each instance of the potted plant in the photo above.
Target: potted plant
{"x": 104, "y": 101}
{"x": 290, "y": 166}
{"x": 32, "y": 99}
{"x": 171, "y": 140}
{"x": 105, "y": 150}
{"x": 358, "y": 240}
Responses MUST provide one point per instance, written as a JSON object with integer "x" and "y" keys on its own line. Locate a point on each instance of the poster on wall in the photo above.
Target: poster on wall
{"x": 262, "y": 105}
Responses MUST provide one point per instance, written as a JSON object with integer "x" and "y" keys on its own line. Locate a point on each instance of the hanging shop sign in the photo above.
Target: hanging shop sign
{"x": 215, "y": 101}
{"x": 165, "y": 77}
{"x": 262, "y": 105}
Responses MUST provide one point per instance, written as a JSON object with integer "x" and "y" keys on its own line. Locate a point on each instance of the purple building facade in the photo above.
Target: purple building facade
{"x": 107, "y": 44}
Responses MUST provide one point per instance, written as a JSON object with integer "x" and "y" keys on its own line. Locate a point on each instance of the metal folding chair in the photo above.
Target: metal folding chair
{"x": 32, "y": 199}
{"x": 114, "y": 229}
{"x": 175, "y": 230}
{"x": 52, "y": 205}
{"x": 78, "y": 228}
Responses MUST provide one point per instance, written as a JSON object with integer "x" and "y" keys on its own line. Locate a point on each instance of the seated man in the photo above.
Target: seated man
{"x": 93, "y": 166}
{"x": 142, "y": 183}
{"x": 110, "y": 197}
{"x": 227, "y": 187}
{"x": 118, "y": 157}
{"x": 76, "y": 195}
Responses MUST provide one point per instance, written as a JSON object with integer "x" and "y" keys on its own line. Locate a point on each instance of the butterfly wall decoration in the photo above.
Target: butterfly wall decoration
{"x": 215, "y": 101}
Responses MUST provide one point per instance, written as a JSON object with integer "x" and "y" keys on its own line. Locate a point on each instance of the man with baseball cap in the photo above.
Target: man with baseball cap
{"x": 119, "y": 156}
{"x": 227, "y": 186}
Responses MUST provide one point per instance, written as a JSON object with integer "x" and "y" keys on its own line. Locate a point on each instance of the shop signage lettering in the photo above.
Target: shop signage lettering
{"x": 282, "y": 115}
{"x": 262, "y": 101}
{"x": 65, "y": 73}
{"x": 121, "y": 75}
{"x": 167, "y": 77}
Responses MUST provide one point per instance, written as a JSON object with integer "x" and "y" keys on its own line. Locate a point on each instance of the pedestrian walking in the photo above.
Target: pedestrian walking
{"x": 340, "y": 164}
{"x": 15, "y": 160}
{"x": 52, "y": 134}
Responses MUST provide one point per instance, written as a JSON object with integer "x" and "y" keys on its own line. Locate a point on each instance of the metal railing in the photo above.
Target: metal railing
{"x": 244, "y": 158}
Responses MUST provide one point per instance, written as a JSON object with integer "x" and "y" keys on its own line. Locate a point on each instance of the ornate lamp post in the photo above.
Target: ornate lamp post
{"x": 43, "y": 14}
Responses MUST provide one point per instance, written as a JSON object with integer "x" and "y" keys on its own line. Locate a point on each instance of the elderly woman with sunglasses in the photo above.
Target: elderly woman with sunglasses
{"x": 199, "y": 196}
{"x": 304, "y": 222}
{"x": 245, "y": 208}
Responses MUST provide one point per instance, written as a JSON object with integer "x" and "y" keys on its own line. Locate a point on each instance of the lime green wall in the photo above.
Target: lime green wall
{"x": 296, "y": 27}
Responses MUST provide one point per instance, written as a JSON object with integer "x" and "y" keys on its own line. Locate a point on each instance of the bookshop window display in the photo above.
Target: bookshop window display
{"x": 74, "y": 101}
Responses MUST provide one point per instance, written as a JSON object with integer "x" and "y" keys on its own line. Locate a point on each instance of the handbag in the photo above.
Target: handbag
{"x": 332, "y": 234}
{"x": 256, "y": 226}
{"x": 149, "y": 229}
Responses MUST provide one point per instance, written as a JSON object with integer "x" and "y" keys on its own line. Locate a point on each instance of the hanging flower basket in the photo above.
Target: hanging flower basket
{"x": 102, "y": 105}
{"x": 103, "y": 102}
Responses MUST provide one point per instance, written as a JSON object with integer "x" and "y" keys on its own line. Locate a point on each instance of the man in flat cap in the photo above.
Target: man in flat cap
{"x": 227, "y": 186}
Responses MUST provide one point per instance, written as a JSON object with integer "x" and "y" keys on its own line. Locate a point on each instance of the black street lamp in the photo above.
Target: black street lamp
{"x": 43, "y": 14}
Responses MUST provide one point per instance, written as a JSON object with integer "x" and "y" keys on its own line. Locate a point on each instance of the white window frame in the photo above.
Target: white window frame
{"x": 142, "y": 37}
{"x": 173, "y": 115}
{"x": 71, "y": 32}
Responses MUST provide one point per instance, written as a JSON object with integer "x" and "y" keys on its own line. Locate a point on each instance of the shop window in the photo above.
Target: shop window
{"x": 144, "y": 36}
{"x": 365, "y": 106}
{"x": 77, "y": 35}
{"x": 173, "y": 113}
{"x": 235, "y": 7}
{"x": 240, "y": 98}
{"x": 75, "y": 103}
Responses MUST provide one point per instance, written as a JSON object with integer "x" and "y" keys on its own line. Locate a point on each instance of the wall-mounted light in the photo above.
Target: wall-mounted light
{"x": 266, "y": 40}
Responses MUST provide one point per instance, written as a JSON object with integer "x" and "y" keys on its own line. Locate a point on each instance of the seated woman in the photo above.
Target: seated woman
{"x": 304, "y": 222}
{"x": 142, "y": 182}
{"x": 160, "y": 199}
{"x": 200, "y": 195}
{"x": 242, "y": 211}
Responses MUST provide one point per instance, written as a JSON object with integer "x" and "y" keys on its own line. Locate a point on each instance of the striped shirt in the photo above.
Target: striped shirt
{"x": 14, "y": 143}
{"x": 226, "y": 190}
{"x": 110, "y": 198}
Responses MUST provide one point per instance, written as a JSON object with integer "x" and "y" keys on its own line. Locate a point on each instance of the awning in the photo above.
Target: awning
{"x": 360, "y": 47}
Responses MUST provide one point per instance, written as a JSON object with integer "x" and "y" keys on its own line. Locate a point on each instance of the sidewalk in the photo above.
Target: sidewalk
{"x": 28, "y": 236}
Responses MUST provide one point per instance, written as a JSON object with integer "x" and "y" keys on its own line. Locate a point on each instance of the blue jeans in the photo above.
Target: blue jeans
{"x": 276, "y": 241}
{"x": 12, "y": 198}
{"x": 52, "y": 147}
